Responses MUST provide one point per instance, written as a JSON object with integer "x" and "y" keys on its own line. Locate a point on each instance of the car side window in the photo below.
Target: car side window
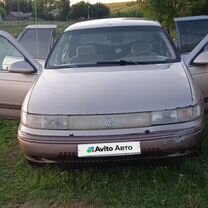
{"x": 8, "y": 54}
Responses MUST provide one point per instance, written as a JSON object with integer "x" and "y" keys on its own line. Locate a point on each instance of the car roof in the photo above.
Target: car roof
{"x": 41, "y": 27}
{"x": 112, "y": 22}
{"x": 190, "y": 18}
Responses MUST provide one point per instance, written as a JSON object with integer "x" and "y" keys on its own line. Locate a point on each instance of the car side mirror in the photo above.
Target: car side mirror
{"x": 21, "y": 67}
{"x": 201, "y": 59}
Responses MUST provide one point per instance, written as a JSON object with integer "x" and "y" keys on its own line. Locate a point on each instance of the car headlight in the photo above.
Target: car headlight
{"x": 163, "y": 117}
{"x": 198, "y": 110}
{"x": 44, "y": 122}
{"x": 177, "y": 116}
{"x": 115, "y": 121}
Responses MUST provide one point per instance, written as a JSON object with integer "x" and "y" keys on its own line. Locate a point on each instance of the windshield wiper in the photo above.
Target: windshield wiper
{"x": 124, "y": 62}
{"x": 119, "y": 62}
{"x": 109, "y": 63}
{"x": 62, "y": 66}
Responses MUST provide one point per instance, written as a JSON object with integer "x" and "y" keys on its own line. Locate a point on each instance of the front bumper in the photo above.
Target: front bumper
{"x": 154, "y": 144}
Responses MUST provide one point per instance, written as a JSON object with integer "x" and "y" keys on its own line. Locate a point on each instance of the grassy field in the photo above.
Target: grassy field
{"x": 182, "y": 183}
{"x": 122, "y": 7}
{"x": 117, "y": 6}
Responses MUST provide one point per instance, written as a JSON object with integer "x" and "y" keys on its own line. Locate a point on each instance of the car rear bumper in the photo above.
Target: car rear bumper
{"x": 159, "y": 144}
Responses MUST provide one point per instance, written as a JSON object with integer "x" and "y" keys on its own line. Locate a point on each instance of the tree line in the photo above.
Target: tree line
{"x": 55, "y": 9}
{"x": 162, "y": 10}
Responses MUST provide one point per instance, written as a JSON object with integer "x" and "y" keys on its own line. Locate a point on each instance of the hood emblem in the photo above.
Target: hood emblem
{"x": 109, "y": 122}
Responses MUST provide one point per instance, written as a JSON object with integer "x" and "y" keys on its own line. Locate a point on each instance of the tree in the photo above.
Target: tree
{"x": 2, "y": 12}
{"x": 83, "y": 10}
{"x": 100, "y": 10}
{"x": 39, "y": 9}
{"x": 24, "y": 6}
{"x": 42, "y": 7}
{"x": 199, "y": 7}
{"x": 64, "y": 7}
{"x": 165, "y": 10}
{"x": 80, "y": 10}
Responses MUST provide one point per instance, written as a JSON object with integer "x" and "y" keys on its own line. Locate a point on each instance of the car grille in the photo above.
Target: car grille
{"x": 113, "y": 121}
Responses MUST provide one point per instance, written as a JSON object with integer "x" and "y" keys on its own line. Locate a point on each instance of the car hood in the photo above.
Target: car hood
{"x": 111, "y": 89}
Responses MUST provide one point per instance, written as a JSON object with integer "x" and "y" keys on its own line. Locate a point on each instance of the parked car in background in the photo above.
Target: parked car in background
{"x": 112, "y": 89}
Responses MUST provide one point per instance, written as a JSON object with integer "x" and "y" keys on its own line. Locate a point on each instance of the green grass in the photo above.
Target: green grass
{"x": 123, "y": 7}
{"x": 179, "y": 184}
{"x": 117, "y": 6}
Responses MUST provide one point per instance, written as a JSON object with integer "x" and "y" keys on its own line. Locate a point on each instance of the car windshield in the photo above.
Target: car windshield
{"x": 112, "y": 45}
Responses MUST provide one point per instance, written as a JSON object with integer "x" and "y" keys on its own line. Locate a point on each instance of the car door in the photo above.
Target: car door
{"x": 197, "y": 63}
{"x": 18, "y": 71}
{"x": 190, "y": 31}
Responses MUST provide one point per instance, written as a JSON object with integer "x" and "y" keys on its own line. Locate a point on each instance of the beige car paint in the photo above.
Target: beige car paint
{"x": 199, "y": 71}
{"x": 14, "y": 86}
{"x": 122, "y": 95}
{"x": 138, "y": 89}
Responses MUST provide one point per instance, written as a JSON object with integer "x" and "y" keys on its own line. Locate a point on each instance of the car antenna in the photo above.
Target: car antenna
{"x": 36, "y": 23}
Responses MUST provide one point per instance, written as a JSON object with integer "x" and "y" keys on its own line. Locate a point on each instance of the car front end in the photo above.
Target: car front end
{"x": 107, "y": 98}
{"x": 44, "y": 143}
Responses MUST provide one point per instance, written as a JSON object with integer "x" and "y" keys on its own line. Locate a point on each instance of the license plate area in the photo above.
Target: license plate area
{"x": 109, "y": 149}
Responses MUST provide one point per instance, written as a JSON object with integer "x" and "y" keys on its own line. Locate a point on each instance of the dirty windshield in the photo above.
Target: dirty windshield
{"x": 112, "y": 45}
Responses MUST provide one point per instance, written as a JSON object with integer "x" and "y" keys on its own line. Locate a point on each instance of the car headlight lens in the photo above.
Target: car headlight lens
{"x": 164, "y": 117}
{"x": 44, "y": 122}
{"x": 115, "y": 121}
{"x": 177, "y": 116}
{"x": 197, "y": 111}
{"x": 185, "y": 114}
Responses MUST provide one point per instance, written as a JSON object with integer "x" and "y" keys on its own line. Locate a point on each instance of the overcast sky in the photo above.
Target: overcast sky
{"x": 102, "y": 1}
